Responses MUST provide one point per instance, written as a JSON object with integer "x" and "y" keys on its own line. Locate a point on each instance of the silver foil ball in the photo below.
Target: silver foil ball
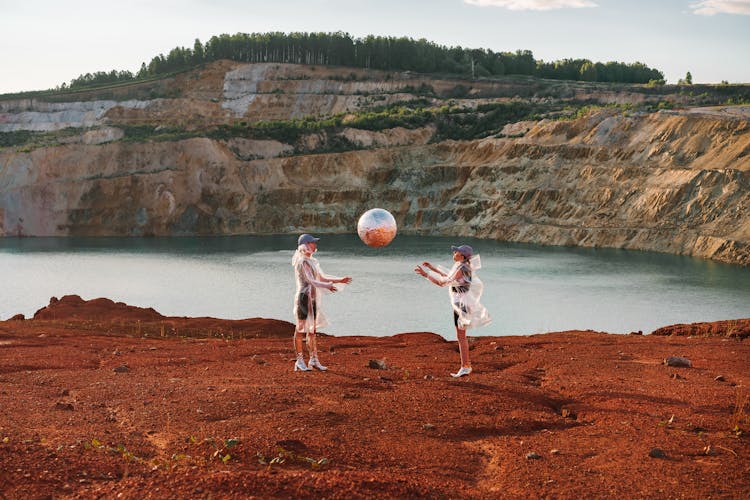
{"x": 377, "y": 227}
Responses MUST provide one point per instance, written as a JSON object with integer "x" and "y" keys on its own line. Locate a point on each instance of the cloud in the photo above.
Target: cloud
{"x": 711, "y": 7}
{"x": 539, "y": 4}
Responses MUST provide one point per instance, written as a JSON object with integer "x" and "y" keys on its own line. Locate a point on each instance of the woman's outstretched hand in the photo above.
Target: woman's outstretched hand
{"x": 346, "y": 280}
{"x": 420, "y": 271}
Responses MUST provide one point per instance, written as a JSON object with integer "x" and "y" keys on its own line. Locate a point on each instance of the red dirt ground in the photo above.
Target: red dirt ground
{"x": 100, "y": 400}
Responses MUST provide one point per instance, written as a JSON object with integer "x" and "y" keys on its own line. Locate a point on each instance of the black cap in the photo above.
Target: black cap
{"x": 307, "y": 238}
{"x": 464, "y": 250}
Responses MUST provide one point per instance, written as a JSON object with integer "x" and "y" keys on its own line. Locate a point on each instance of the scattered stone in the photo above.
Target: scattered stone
{"x": 533, "y": 456}
{"x": 554, "y": 451}
{"x": 677, "y": 376}
{"x": 121, "y": 369}
{"x": 428, "y": 377}
{"x": 657, "y": 453}
{"x": 720, "y": 378}
{"x": 428, "y": 427}
{"x": 377, "y": 364}
{"x": 678, "y": 361}
{"x": 260, "y": 361}
{"x": 64, "y": 406}
{"x": 709, "y": 450}
{"x": 566, "y": 413}
{"x": 65, "y": 392}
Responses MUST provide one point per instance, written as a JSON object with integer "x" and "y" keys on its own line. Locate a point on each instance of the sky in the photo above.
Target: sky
{"x": 44, "y": 43}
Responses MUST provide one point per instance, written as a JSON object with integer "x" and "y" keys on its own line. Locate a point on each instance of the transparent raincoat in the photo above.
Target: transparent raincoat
{"x": 465, "y": 289}
{"x": 312, "y": 283}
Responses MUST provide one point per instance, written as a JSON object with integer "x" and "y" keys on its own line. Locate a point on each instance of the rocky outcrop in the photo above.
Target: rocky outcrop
{"x": 671, "y": 181}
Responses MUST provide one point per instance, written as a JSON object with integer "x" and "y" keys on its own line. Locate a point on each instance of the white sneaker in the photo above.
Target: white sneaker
{"x": 463, "y": 371}
{"x": 314, "y": 363}
{"x": 300, "y": 366}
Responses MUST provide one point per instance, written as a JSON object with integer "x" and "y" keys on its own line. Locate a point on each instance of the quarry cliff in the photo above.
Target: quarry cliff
{"x": 636, "y": 168}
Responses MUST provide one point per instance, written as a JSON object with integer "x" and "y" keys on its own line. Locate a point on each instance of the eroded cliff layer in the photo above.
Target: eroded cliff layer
{"x": 669, "y": 181}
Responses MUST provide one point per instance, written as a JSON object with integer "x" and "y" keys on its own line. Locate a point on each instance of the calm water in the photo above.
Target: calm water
{"x": 528, "y": 289}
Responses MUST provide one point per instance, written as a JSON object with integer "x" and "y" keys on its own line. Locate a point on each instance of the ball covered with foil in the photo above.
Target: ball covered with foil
{"x": 377, "y": 227}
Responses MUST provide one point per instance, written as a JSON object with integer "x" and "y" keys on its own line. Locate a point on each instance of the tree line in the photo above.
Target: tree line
{"x": 373, "y": 52}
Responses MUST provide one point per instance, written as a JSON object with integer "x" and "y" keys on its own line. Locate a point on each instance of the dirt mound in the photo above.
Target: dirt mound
{"x": 112, "y": 317}
{"x": 74, "y": 307}
{"x": 737, "y": 328}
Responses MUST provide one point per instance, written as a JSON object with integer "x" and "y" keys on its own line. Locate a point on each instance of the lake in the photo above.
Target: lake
{"x": 528, "y": 289}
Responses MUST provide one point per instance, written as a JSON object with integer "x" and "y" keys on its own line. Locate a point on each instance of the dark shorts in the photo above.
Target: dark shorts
{"x": 303, "y": 302}
{"x": 455, "y": 315}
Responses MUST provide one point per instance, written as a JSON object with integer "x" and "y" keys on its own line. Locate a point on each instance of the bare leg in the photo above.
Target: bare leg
{"x": 312, "y": 344}
{"x": 463, "y": 347}
{"x": 299, "y": 336}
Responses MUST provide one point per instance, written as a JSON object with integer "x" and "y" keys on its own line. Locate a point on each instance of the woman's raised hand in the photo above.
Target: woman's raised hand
{"x": 346, "y": 280}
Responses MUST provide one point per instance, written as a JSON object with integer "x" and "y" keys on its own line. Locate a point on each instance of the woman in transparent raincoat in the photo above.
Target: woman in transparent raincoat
{"x": 465, "y": 291}
{"x": 310, "y": 283}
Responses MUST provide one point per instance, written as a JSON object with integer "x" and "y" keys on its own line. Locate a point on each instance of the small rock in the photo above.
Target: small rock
{"x": 533, "y": 456}
{"x": 260, "y": 361}
{"x": 428, "y": 427}
{"x": 121, "y": 369}
{"x": 554, "y": 452}
{"x": 428, "y": 377}
{"x": 377, "y": 364}
{"x": 677, "y": 376}
{"x": 639, "y": 332}
{"x": 720, "y": 378}
{"x": 708, "y": 450}
{"x": 566, "y": 413}
{"x": 65, "y": 392}
{"x": 64, "y": 406}
{"x": 678, "y": 361}
{"x": 657, "y": 453}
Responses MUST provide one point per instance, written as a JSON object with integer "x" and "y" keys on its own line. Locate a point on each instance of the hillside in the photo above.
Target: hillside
{"x": 238, "y": 148}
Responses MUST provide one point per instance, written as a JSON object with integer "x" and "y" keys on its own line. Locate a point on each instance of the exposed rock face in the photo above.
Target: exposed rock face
{"x": 673, "y": 182}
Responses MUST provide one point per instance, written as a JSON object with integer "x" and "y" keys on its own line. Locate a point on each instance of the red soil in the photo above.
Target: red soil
{"x": 100, "y": 399}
